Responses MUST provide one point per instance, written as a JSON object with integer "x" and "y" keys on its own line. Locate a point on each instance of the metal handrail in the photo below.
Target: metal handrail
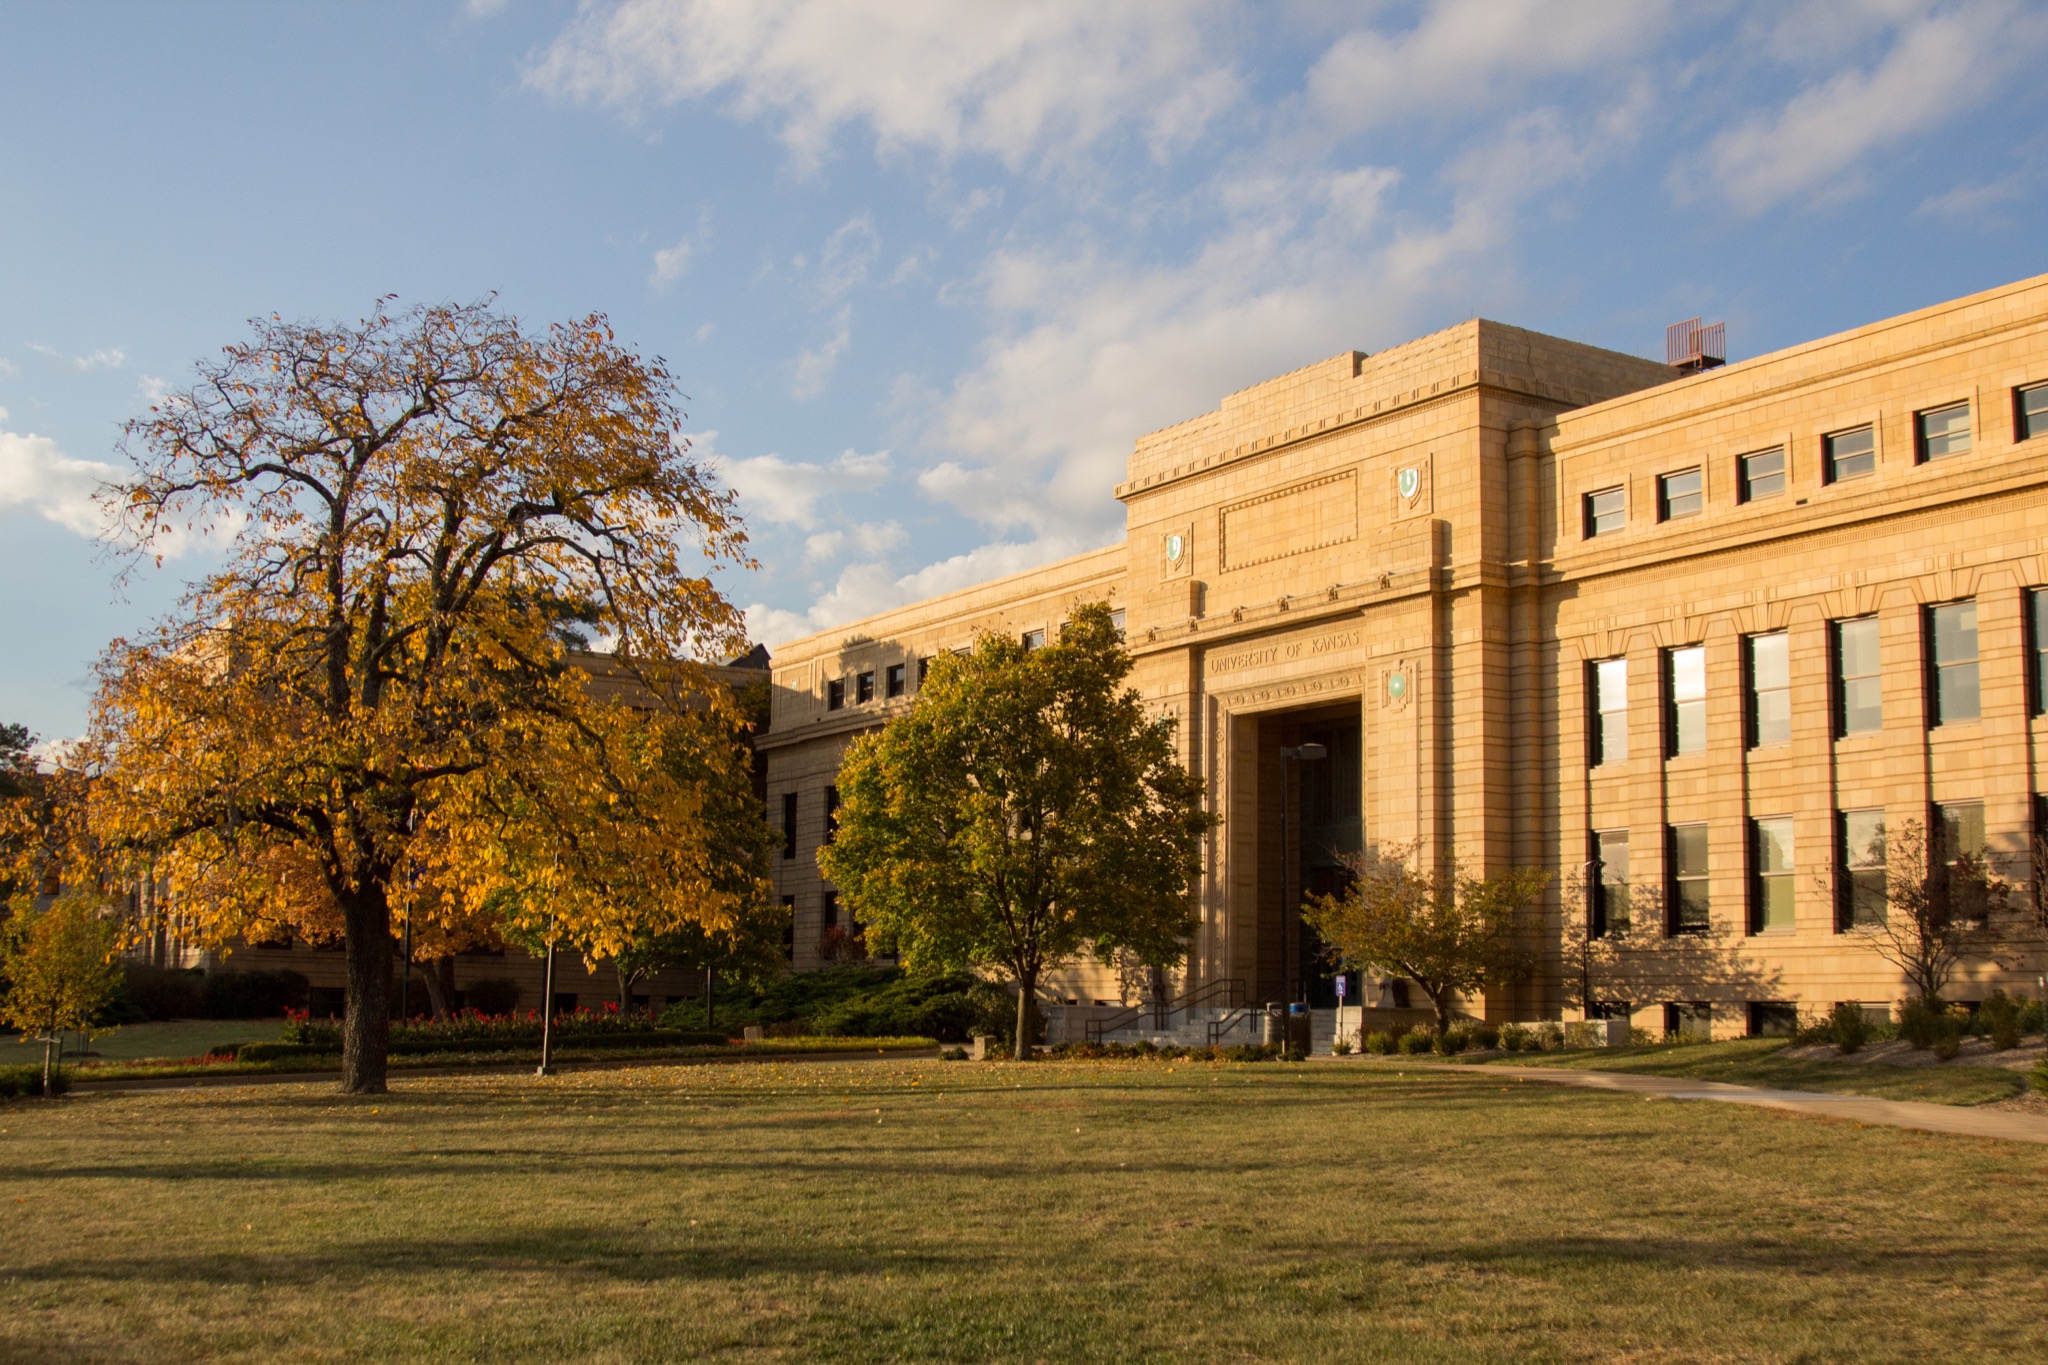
{"x": 1219, "y": 1027}
{"x": 1230, "y": 988}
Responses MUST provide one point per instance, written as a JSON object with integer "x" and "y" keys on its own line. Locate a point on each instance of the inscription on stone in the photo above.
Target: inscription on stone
{"x": 1238, "y": 660}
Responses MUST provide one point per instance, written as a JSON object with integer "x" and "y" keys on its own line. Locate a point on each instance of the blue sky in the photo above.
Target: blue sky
{"x": 925, "y": 270}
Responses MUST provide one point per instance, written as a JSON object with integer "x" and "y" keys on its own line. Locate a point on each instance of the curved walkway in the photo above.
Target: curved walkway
{"x": 1928, "y": 1118}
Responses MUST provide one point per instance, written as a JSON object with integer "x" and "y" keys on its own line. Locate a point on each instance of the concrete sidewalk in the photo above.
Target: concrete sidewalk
{"x": 1928, "y": 1118}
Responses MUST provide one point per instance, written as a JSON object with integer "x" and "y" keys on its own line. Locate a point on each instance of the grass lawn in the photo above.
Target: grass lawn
{"x": 1755, "y": 1061}
{"x": 177, "y": 1038}
{"x": 923, "y": 1210}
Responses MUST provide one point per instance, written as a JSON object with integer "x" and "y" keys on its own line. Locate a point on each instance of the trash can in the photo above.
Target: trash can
{"x": 1300, "y": 1031}
{"x": 1273, "y": 1026}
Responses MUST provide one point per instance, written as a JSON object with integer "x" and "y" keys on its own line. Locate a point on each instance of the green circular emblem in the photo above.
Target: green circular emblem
{"x": 1397, "y": 685}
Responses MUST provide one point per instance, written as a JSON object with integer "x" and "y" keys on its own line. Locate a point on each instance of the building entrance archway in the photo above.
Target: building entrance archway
{"x": 1311, "y": 812}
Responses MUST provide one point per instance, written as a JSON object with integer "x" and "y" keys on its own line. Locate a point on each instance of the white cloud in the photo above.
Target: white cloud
{"x": 1018, "y": 82}
{"x": 154, "y": 391}
{"x": 37, "y": 476}
{"x": 788, "y": 491}
{"x": 849, "y": 252}
{"x": 106, "y": 359}
{"x": 671, "y": 261}
{"x": 815, "y": 365}
{"x": 1815, "y": 146}
{"x": 866, "y": 538}
{"x": 1974, "y": 202}
{"x": 484, "y": 9}
{"x": 8, "y": 367}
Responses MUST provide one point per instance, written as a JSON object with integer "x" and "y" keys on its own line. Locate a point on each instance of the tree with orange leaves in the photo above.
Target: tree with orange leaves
{"x": 412, "y": 506}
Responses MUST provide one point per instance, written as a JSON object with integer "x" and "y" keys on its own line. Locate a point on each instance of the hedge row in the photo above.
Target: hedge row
{"x": 19, "y": 1082}
{"x": 419, "y": 1047}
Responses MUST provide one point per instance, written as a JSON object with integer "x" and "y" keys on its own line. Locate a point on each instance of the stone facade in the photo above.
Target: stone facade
{"x": 1392, "y": 555}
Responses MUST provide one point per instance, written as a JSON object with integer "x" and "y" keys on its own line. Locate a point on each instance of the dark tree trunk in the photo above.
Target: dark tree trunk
{"x": 710, "y": 1002}
{"x": 366, "y": 1023}
{"x": 439, "y": 974}
{"x": 1442, "y": 1001}
{"x": 1027, "y": 1011}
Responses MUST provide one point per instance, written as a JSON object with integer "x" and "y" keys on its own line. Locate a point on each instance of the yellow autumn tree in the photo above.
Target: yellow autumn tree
{"x": 419, "y": 512}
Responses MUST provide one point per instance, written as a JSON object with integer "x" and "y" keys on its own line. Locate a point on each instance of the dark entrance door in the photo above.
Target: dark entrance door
{"x": 1314, "y": 823}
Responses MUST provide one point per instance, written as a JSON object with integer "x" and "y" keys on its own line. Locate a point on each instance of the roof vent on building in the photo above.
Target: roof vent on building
{"x": 1691, "y": 348}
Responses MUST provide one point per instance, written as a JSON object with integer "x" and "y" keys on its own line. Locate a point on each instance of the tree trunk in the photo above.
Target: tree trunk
{"x": 439, "y": 974}
{"x": 1027, "y": 1010}
{"x": 366, "y": 1022}
{"x": 710, "y": 991}
{"x": 1443, "y": 1008}
{"x": 49, "y": 1046}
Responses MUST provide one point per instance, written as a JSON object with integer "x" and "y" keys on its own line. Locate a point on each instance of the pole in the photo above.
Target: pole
{"x": 1286, "y": 947}
{"x": 710, "y": 1007}
{"x": 547, "y": 1017}
{"x": 405, "y": 979}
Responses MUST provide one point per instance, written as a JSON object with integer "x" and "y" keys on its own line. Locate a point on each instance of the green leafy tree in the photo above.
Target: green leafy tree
{"x": 1025, "y": 811}
{"x": 60, "y": 969}
{"x": 1448, "y": 931}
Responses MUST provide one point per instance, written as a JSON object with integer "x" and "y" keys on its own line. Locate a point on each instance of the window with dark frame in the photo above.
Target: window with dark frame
{"x": 789, "y": 824}
{"x": 1606, "y": 511}
{"x": 1689, "y": 1021}
{"x": 1685, "y": 705}
{"x": 1861, "y": 892}
{"x": 893, "y": 680}
{"x": 1940, "y": 432}
{"x": 1952, "y": 664}
{"x": 1690, "y": 909}
{"x": 828, "y": 910}
{"x": 1769, "y": 666}
{"x": 831, "y": 814}
{"x": 1773, "y": 1019}
{"x": 864, "y": 687}
{"x": 1034, "y": 639}
{"x": 835, "y": 694}
{"x": 1849, "y": 454}
{"x": 1681, "y": 493}
{"x": 2030, "y": 412}
{"x": 1607, "y": 687}
{"x": 1761, "y": 474}
{"x": 1960, "y": 828}
{"x": 924, "y": 668}
{"x": 2037, "y": 649}
{"x": 1116, "y": 619}
{"x": 1772, "y": 888}
{"x": 1859, "y": 680}
{"x": 1609, "y": 907}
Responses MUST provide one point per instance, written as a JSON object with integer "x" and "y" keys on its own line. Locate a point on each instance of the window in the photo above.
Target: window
{"x": 893, "y": 681}
{"x": 1610, "y": 882}
{"x": 2037, "y": 648}
{"x": 1685, "y": 690}
{"x": 1034, "y": 639}
{"x": 924, "y": 668}
{"x": 828, "y": 912}
{"x": 2030, "y": 412}
{"x": 789, "y": 928}
{"x": 1607, "y": 681}
{"x": 864, "y": 687}
{"x": 1606, "y": 510}
{"x": 1961, "y": 830}
{"x": 1689, "y": 1021}
{"x": 1762, "y": 474}
{"x": 1861, "y": 877}
{"x": 831, "y": 814}
{"x": 1849, "y": 454}
{"x": 1952, "y": 658}
{"x": 1859, "y": 691}
{"x": 1771, "y": 885}
{"x": 1941, "y": 431}
{"x": 1680, "y": 494}
{"x": 1116, "y": 619}
{"x": 1770, "y": 689}
{"x": 1689, "y": 911}
{"x": 789, "y": 824}
{"x": 1772, "y": 1019}
{"x": 835, "y": 694}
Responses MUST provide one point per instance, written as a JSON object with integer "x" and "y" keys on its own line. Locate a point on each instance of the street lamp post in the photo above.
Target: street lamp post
{"x": 1299, "y": 753}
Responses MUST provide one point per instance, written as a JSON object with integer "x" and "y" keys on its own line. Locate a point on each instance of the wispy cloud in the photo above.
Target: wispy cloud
{"x": 788, "y": 492}
{"x": 815, "y": 365}
{"x": 107, "y": 359}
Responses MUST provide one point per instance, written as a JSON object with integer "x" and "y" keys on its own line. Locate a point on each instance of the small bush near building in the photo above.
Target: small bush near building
{"x": 1920, "y": 1024}
{"x": 1340, "y": 1047}
{"x": 1516, "y": 1038}
{"x": 1379, "y": 1042}
{"x": 1999, "y": 1017}
{"x": 26, "y": 1082}
{"x": 860, "y": 1002}
{"x": 1848, "y": 1026}
{"x": 492, "y": 995}
{"x": 1414, "y": 1044}
{"x": 1450, "y": 1044}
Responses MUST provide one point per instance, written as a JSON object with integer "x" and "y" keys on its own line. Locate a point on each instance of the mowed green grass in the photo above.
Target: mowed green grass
{"x": 1758, "y": 1061}
{"x": 922, "y": 1210}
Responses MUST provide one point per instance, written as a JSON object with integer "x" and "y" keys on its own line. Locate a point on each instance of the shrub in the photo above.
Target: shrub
{"x": 1340, "y": 1047}
{"x": 2041, "y": 1075}
{"x": 1251, "y": 1052}
{"x": 953, "y": 1054}
{"x": 1379, "y": 1042}
{"x": 1550, "y": 1035}
{"x": 2000, "y": 1017}
{"x": 1414, "y": 1044}
{"x": 860, "y": 1001}
{"x": 492, "y": 995}
{"x": 24, "y": 1082}
{"x": 2032, "y": 1019}
{"x": 1848, "y": 1027}
{"x": 1515, "y": 1038}
{"x": 162, "y": 992}
{"x": 1484, "y": 1036}
{"x": 1450, "y": 1043}
{"x": 274, "y": 1052}
{"x": 1920, "y": 1024}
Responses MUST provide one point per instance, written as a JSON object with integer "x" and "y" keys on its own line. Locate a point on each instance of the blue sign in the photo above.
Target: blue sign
{"x": 1342, "y": 981}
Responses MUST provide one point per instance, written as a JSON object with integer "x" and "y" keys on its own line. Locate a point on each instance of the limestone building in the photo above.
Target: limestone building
{"x": 1684, "y": 639}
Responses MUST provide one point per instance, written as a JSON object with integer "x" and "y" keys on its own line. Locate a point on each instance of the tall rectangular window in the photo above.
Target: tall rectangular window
{"x": 1034, "y": 639}
{"x": 1770, "y": 689}
{"x": 924, "y": 668}
{"x": 1607, "y": 683}
{"x": 1771, "y": 873}
{"x": 1685, "y": 707}
{"x": 835, "y": 694}
{"x": 1116, "y": 621}
{"x": 864, "y": 687}
{"x": 1682, "y": 493}
{"x": 831, "y": 814}
{"x": 893, "y": 681}
{"x": 1961, "y": 826}
{"x": 1849, "y": 454}
{"x": 2037, "y": 648}
{"x": 2030, "y": 412}
{"x": 1606, "y": 511}
{"x": 1688, "y": 880}
{"x": 789, "y": 824}
{"x": 1952, "y": 663}
{"x": 1690, "y": 1021}
{"x": 1762, "y": 474}
{"x": 1941, "y": 431}
{"x": 1610, "y": 882}
{"x": 828, "y": 911}
{"x": 1859, "y": 683}
{"x": 1861, "y": 894}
